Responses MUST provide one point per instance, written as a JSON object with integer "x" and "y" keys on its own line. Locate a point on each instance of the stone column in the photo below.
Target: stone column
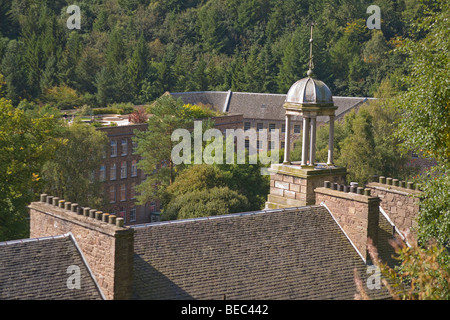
{"x": 312, "y": 150}
{"x": 305, "y": 142}
{"x": 287, "y": 141}
{"x": 331, "y": 142}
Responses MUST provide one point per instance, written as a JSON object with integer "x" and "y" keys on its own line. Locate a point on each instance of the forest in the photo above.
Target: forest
{"x": 135, "y": 50}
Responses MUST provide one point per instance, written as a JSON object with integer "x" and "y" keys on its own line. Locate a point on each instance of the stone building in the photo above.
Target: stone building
{"x": 264, "y": 110}
{"x": 120, "y": 173}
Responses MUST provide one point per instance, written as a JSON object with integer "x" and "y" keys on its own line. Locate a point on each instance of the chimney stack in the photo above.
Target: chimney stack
{"x": 106, "y": 244}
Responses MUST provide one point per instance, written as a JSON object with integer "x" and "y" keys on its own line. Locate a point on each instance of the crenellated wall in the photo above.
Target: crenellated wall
{"x": 106, "y": 244}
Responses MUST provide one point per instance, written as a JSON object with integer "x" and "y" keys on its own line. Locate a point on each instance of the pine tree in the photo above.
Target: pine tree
{"x": 138, "y": 67}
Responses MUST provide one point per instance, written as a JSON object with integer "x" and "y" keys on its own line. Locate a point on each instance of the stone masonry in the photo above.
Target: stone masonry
{"x": 292, "y": 186}
{"x": 400, "y": 200}
{"x": 106, "y": 244}
{"x": 357, "y": 214}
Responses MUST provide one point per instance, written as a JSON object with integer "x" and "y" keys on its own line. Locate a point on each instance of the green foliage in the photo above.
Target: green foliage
{"x": 423, "y": 273}
{"x": 134, "y": 51}
{"x": 69, "y": 174}
{"x": 155, "y": 146}
{"x": 26, "y": 142}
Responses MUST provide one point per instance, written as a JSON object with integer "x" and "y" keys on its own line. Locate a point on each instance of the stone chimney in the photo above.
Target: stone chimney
{"x": 106, "y": 244}
{"x": 355, "y": 210}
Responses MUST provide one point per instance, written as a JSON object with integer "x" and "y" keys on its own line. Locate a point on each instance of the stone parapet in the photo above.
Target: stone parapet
{"x": 399, "y": 200}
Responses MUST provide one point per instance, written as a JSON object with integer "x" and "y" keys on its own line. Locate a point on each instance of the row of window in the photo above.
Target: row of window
{"x": 123, "y": 147}
{"x": 271, "y": 145}
{"x": 123, "y": 170}
{"x": 122, "y": 192}
{"x": 272, "y": 127}
{"x": 123, "y": 214}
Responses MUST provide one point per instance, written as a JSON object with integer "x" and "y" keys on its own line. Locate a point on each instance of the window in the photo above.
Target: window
{"x": 112, "y": 194}
{"x": 259, "y": 126}
{"x": 283, "y": 128}
{"x": 113, "y": 172}
{"x": 124, "y": 147}
{"x": 133, "y": 190}
{"x": 297, "y": 128}
{"x": 133, "y": 214}
{"x": 247, "y": 126}
{"x": 272, "y": 126}
{"x": 123, "y": 214}
{"x": 123, "y": 170}
{"x": 271, "y": 145}
{"x": 134, "y": 168}
{"x": 247, "y": 144}
{"x": 113, "y": 148}
{"x": 102, "y": 174}
{"x": 123, "y": 192}
{"x": 134, "y": 146}
{"x": 258, "y": 144}
{"x": 282, "y": 144}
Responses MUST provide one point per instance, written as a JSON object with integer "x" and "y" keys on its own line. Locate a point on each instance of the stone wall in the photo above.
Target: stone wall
{"x": 105, "y": 243}
{"x": 400, "y": 200}
{"x": 357, "y": 214}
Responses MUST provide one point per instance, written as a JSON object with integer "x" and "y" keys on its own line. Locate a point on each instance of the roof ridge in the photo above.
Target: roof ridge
{"x": 11, "y": 242}
{"x": 231, "y": 215}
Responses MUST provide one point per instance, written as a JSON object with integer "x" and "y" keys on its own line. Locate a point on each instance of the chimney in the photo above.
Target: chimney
{"x": 106, "y": 244}
{"x": 357, "y": 212}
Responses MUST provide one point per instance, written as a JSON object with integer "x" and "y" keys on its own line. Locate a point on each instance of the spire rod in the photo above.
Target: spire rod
{"x": 311, "y": 63}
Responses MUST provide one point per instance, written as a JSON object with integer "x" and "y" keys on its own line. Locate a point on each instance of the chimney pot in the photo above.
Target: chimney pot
{"x": 327, "y": 184}
{"x": 367, "y": 192}
{"x": 86, "y": 211}
{"x": 92, "y": 213}
{"x": 55, "y": 201}
{"x": 410, "y": 185}
{"x": 61, "y": 203}
{"x": 119, "y": 222}
{"x": 382, "y": 180}
{"x": 43, "y": 197}
{"x": 360, "y": 190}
{"x": 105, "y": 217}
{"x": 98, "y": 215}
{"x": 74, "y": 207}
{"x": 395, "y": 182}
{"x": 50, "y": 199}
{"x": 67, "y": 205}
{"x": 112, "y": 219}
{"x": 402, "y": 184}
{"x": 389, "y": 181}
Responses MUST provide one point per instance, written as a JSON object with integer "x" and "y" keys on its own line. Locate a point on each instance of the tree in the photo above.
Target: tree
{"x": 26, "y": 142}
{"x": 138, "y": 67}
{"x": 155, "y": 146}
{"x": 423, "y": 273}
{"x": 425, "y": 125}
{"x": 70, "y": 174}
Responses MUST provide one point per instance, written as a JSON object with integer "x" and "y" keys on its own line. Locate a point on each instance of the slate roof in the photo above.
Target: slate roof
{"x": 298, "y": 253}
{"x": 260, "y": 105}
{"x": 36, "y": 269}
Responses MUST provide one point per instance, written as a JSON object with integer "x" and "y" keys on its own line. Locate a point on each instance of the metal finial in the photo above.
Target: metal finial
{"x": 311, "y": 63}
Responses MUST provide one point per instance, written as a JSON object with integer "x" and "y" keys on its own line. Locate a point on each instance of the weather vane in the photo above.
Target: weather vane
{"x": 311, "y": 63}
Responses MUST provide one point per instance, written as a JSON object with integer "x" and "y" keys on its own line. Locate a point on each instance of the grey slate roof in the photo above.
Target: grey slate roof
{"x": 259, "y": 105}
{"x": 298, "y": 253}
{"x": 36, "y": 269}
